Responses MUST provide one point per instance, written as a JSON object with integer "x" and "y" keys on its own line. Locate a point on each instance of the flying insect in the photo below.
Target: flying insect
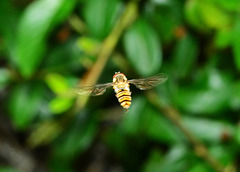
{"x": 120, "y": 85}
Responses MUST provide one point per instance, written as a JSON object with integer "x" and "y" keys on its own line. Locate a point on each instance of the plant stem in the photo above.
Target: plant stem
{"x": 174, "y": 116}
{"x": 107, "y": 48}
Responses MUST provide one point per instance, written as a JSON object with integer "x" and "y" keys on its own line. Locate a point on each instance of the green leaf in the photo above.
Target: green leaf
{"x": 64, "y": 58}
{"x": 208, "y": 130}
{"x": 208, "y": 96}
{"x": 57, "y": 83}
{"x": 35, "y": 24}
{"x": 235, "y": 96}
{"x": 213, "y": 16}
{"x": 231, "y": 5}
{"x": 223, "y": 38}
{"x": 73, "y": 141}
{"x": 185, "y": 55}
{"x": 130, "y": 123}
{"x": 155, "y": 126}
{"x": 88, "y": 45}
{"x": 60, "y": 104}
{"x": 219, "y": 152}
{"x": 236, "y": 43}
{"x": 142, "y": 118}
{"x": 143, "y": 48}
{"x": 7, "y": 169}
{"x": 4, "y": 77}
{"x": 101, "y": 16}
{"x": 200, "y": 168}
{"x": 166, "y": 18}
{"x": 8, "y": 23}
{"x": 203, "y": 101}
{"x": 153, "y": 161}
{"x": 207, "y": 15}
{"x": 174, "y": 161}
{"x": 25, "y": 103}
{"x": 192, "y": 16}
{"x": 165, "y": 27}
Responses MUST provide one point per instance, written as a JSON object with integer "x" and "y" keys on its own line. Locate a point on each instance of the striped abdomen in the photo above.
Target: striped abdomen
{"x": 124, "y": 98}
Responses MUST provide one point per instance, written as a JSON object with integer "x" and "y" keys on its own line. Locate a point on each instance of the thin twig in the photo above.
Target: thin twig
{"x": 107, "y": 48}
{"x": 174, "y": 116}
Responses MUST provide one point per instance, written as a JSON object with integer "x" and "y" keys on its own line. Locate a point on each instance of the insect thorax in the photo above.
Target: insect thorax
{"x": 121, "y": 86}
{"x": 120, "y": 82}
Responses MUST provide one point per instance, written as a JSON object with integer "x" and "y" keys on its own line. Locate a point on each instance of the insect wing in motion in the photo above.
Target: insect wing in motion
{"x": 95, "y": 90}
{"x": 149, "y": 82}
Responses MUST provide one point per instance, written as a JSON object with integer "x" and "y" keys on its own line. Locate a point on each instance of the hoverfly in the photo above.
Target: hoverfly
{"x": 120, "y": 85}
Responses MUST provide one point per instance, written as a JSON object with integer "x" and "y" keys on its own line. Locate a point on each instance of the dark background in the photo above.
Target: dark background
{"x": 188, "y": 124}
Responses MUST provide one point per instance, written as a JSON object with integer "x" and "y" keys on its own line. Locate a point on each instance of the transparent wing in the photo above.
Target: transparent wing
{"x": 95, "y": 90}
{"x": 149, "y": 82}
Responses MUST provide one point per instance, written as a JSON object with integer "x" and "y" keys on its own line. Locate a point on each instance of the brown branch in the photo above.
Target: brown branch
{"x": 107, "y": 48}
{"x": 199, "y": 148}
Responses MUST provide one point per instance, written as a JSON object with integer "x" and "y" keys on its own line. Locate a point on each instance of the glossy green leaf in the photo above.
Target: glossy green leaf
{"x": 60, "y": 104}
{"x": 101, "y": 16}
{"x": 165, "y": 27}
{"x": 155, "y": 126}
{"x": 88, "y": 45}
{"x": 223, "y": 38}
{"x": 57, "y": 83}
{"x": 203, "y": 101}
{"x": 24, "y": 104}
{"x": 166, "y": 18}
{"x": 219, "y": 152}
{"x": 200, "y": 168}
{"x": 207, "y": 15}
{"x": 235, "y": 96}
{"x": 143, "y": 48}
{"x": 213, "y": 16}
{"x": 208, "y": 130}
{"x": 236, "y": 43}
{"x": 64, "y": 58}
{"x": 192, "y": 16}
{"x": 231, "y": 5}
{"x": 37, "y": 21}
{"x": 213, "y": 95}
{"x": 185, "y": 55}
{"x": 174, "y": 161}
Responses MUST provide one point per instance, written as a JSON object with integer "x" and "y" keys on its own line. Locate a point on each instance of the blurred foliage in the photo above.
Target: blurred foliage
{"x": 47, "y": 47}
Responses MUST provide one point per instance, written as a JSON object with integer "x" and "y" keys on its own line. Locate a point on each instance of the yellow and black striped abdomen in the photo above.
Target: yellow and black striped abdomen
{"x": 124, "y": 98}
